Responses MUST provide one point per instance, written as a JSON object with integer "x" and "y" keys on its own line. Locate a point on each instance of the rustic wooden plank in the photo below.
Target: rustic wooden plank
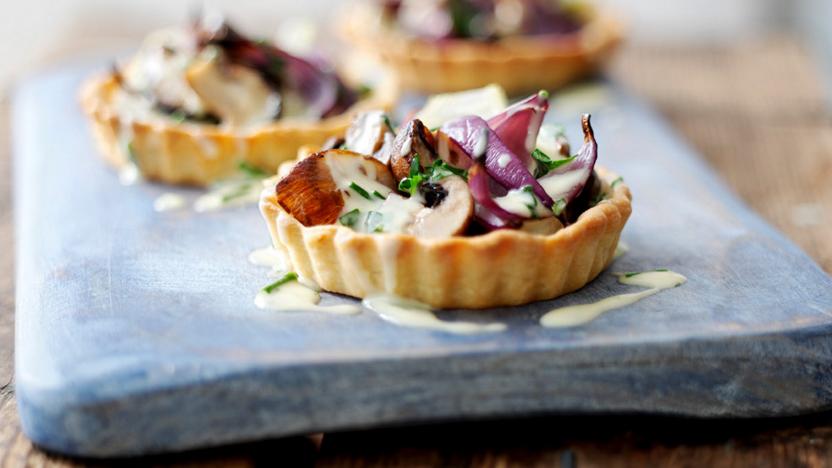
{"x": 747, "y": 109}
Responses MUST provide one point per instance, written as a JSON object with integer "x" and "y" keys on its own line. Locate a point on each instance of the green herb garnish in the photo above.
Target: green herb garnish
{"x": 131, "y": 153}
{"x": 559, "y": 206}
{"x": 410, "y": 184}
{"x": 545, "y": 164}
{"x": 378, "y": 195}
{"x": 630, "y": 274}
{"x": 237, "y": 192}
{"x": 291, "y": 276}
{"x": 364, "y": 90}
{"x": 251, "y": 171}
{"x": 440, "y": 169}
{"x": 388, "y": 123}
{"x": 616, "y": 182}
{"x": 360, "y": 190}
{"x": 178, "y": 116}
{"x": 349, "y": 218}
{"x": 599, "y": 197}
{"x": 374, "y": 221}
{"x": 532, "y": 207}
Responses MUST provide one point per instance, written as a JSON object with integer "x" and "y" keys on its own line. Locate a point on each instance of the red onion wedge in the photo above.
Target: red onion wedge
{"x": 519, "y": 125}
{"x": 482, "y": 144}
{"x": 486, "y": 210}
{"x": 565, "y": 183}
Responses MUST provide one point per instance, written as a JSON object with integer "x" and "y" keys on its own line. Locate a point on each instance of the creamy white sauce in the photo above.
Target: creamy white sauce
{"x": 482, "y": 144}
{"x": 558, "y": 185}
{"x": 522, "y": 203}
{"x": 620, "y": 249}
{"x": 406, "y": 147}
{"x": 547, "y": 140}
{"x": 129, "y": 174}
{"x": 229, "y": 194}
{"x": 571, "y": 316}
{"x": 503, "y": 160}
{"x": 348, "y": 170}
{"x": 295, "y": 296}
{"x": 169, "y": 202}
{"x": 267, "y": 257}
{"x": 408, "y": 313}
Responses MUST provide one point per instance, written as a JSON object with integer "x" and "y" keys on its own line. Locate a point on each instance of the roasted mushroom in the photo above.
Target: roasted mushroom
{"x": 314, "y": 191}
{"x": 368, "y": 132}
{"x": 413, "y": 140}
{"x": 450, "y": 215}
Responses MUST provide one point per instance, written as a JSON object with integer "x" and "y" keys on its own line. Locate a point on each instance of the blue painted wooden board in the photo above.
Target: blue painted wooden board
{"x": 136, "y": 331}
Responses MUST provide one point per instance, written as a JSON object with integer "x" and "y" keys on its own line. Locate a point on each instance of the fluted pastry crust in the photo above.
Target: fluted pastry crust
{"x": 199, "y": 154}
{"x": 501, "y": 268}
{"x": 519, "y": 64}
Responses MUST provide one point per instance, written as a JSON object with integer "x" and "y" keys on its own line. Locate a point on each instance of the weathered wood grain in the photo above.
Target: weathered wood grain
{"x": 755, "y": 111}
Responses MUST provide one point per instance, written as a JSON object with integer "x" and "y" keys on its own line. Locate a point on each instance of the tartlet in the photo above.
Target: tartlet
{"x": 519, "y": 61}
{"x": 189, "y": 126}
{"x": 498, "y": 255}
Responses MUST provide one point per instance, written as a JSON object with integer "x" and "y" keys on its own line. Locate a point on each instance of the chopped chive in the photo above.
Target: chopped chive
{"x": 388, "y": 123}
{"x": 251, "y": 171}
{"x": 360, "y": 190}
{"x": 374, "y": 221}
{"x": 237, "y": 192}
{"x": 543, "y": 94}
{"x": 661, "y": 269}
{"x": 559, "y": 206}
{"x": 291, "y": 276}
{"x": 440, "y": 169}
{"x": 364, "y": 90}
{"x": 616, "y": 182}
{"x": 630, "y": 274}
{"x": 378, "y": 195}
{"x": 545, "y": 164}
{"x": 131, "y": 152}
{"x": 349, "y": 218}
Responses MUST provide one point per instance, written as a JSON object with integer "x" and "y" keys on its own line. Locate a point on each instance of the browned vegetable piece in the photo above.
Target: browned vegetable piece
{"x": 366, "y": 133}
{"x": 309, "y": 191}
{"x": 451, "y": 152}
{"x": 450, "y": 216}
{"x": 309, "y": 194}
{"x": 414, "y": 139}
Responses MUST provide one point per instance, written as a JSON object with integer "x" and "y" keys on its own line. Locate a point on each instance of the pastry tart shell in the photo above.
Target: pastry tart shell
{"x": 200, "y": 154}
{"x": 518, "y": 64}
{"x": 501, "y": 268}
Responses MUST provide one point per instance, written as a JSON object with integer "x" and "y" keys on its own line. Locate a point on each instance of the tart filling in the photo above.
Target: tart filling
{"x": 476, "y": 206}
{"x": 193, "y": 103}
{"x": 452, "y": 45}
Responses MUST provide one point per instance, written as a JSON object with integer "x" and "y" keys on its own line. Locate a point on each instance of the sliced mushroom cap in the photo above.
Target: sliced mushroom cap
{"x": 366, "y": 133}
{"x": 450, "y": 216}
{"x": 543, "y": 226}
{"x": 236, "y": 94}
{"x": 312, "y": 195}
{"x": 414, "y": 139}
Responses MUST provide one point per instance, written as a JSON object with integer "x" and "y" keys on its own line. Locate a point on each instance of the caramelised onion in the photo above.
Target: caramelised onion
{"x": 487, "y": 211}
{"x": 323, "y": 91}
{"x": 481, "y": 143}
{"x": 566, "y": 182}
{"x": 519, "y": 124}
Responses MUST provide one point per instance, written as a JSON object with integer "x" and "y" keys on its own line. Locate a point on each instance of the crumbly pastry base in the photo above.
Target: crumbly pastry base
{"x": 200, "y": 154}
{"x": 502, "y": 268}
{"x": 519, "y": 64}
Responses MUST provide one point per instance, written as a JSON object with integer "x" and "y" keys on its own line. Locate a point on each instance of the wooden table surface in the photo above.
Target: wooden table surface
{"x": 756, "y": 112}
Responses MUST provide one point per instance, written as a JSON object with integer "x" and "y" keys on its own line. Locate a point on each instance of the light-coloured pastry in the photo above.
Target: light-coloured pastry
{"x": 195, "y": 103}
{"x": 472, "y": 215}
{"x": 452, "y": 45}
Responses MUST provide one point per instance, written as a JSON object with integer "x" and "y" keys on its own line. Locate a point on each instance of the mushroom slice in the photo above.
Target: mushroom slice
{"x": 450, "y": 216}
{"x": 314, "y": 191}
{"x": 234, "y": 93}
{"x": 367, "y": 132}
{"x": 451, "y": 152}
{"x": 543, "y": 226}
{"x": 414, "y": 139}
